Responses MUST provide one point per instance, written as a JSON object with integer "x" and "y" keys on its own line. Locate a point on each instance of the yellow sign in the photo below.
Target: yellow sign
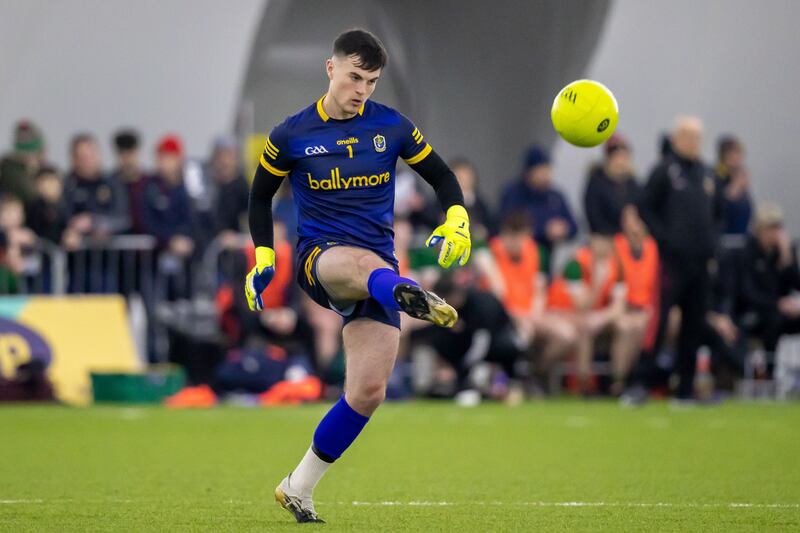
{"x": 71, "y": 335}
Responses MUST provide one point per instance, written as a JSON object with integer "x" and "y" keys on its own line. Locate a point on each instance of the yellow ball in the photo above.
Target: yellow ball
{"x": 585, "y": 113}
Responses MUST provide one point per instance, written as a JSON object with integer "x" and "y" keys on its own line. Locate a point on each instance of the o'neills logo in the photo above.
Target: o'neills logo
{"x": 351, "y": 140}
{"x": 337, "y": 182}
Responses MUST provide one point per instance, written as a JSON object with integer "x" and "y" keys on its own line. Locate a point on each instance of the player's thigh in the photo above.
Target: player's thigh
{"x": 370, "y": 349}
{"x": 344, "y": 272}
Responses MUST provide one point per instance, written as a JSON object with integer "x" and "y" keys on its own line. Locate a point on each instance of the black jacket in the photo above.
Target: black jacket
{"x": 763, "y": 281}
{"x": 604, "y": 199}
{"x": 682, "y": 205}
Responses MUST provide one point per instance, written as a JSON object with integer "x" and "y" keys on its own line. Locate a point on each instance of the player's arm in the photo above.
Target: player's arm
{"x": 268, "y": 178}
{"x": 454, "y": 233}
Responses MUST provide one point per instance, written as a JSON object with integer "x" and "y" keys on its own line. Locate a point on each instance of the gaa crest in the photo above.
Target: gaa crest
{"x": 379, "y": 141}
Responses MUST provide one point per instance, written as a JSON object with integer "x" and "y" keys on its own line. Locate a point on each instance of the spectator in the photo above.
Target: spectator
{"x": 480, "y": 217}
{"x": 129, "y": 172}
{"x": 588, "y": 294}
{"x": 534, "y": 194}
{"x": 513, "y": 272}
{"x": 96, "y": 204}
{"x": 47, "y": 215}
{"x": 637, "y": 253}
{"x": 18, "y": 168}
{"x": 167, "y": 213}
{"x": 610, "y": 188}
{"x": 768, "y": 308}
{"x": 20, "y": 240}
{"x": 484, "y": 333}
{"x": 682, "y": 207}
{"x": 735, "y": 181}
{"x": 229, "y": 191}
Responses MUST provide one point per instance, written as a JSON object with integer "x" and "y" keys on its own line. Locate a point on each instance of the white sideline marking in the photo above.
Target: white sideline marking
{"x": 732, "y": 505}
{"x": 15, "y": 502}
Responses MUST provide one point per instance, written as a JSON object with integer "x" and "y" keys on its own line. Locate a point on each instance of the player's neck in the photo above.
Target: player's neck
{"x": 333, "y": 110}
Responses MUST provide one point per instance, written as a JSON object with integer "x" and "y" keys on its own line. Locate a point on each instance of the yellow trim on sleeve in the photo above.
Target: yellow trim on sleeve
{"x": 322, "y": 114}
{"x": 270, "y": 153}
{"x": 271, "y": 146}
{"x": 271, "y": 169}
{"x": 420, "y": 156}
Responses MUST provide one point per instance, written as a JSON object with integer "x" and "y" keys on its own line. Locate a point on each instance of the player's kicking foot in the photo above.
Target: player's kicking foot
{"x": 419, "y": 303}
{"x": 302, "y": 508}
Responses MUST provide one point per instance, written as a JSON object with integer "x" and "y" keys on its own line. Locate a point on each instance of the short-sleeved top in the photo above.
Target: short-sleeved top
{"x": 342, "y": 172}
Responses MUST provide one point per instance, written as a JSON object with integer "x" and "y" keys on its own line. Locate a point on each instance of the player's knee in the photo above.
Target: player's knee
{"x": 366, "y": 397}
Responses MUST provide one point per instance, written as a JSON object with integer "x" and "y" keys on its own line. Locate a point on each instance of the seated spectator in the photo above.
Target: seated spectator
{"x": 768, "y": 306}
{"x": 588, "y": 294}
{"x": 635, "y": 327}
{"x": 611, "y": 187}
{"x": 484, "y": 333}
{"x": 130, "y": 173}
{"x": 481, "y": 223}
{"x": 18, "y": 168}
{"x": 96, "y": 204}
{"x": 534, "y": 194}
{"x": 735, "y": 181}
{"x": 513, "y": 272}
{"x": 47, "y": 215}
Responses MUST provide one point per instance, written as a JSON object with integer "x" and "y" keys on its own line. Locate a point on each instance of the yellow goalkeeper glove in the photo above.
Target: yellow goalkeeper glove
{"x": 455, "y": 234}
{"x": 258, "y": 278}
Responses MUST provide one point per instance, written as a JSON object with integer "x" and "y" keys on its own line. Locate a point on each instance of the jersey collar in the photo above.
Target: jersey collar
{"x": 324, "y": 116}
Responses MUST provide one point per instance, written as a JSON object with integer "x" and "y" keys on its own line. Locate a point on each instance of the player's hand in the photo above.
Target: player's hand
{"x": 258, "y": 278}
{"x": 455, "y": 234}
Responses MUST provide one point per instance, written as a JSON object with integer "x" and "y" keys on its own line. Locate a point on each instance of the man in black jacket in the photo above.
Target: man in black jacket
{"x": 769, "y": 276}
{"x": 682, "y": 207}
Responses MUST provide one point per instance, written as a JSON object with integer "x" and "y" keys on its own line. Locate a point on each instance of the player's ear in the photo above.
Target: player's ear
{"x": 329, "y": 67}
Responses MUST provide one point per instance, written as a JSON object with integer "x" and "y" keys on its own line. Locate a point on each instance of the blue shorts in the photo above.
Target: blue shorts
{"x": 307, "y": 258}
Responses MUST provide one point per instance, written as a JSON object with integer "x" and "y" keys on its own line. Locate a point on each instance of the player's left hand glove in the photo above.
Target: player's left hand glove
{"x": 258, "y": 278}
{"x": 455, "y": 234}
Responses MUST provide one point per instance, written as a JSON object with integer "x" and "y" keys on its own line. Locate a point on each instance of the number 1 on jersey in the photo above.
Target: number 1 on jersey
{"x": 350, "y": 151}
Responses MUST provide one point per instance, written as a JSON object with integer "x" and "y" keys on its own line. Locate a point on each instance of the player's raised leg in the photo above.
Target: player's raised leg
{"x": 351, "y": 274}
{"x": 370, "y": 350}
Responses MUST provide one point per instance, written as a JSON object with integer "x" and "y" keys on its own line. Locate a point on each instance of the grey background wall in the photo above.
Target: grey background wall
{"x": 96, "y": 65}
{"x": 732, "y": 62}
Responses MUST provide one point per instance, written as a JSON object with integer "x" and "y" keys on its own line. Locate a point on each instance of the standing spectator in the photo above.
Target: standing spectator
{"x": 735, "y": 181}
{"x": 535, "y": 195}
{"x": 610, "y": 188}
{"x": 47, "y": 215}
{"x": 229, "y": 190}
{"x": 129, "y": 172}
{"x": 770, "y": 275}
{"x": 167, "y": 206}
{"x": 18, "y": 168}
{"x": 480, "y": 217}
{"x": 682, "y": 207}
{"x": 96, "y": 204}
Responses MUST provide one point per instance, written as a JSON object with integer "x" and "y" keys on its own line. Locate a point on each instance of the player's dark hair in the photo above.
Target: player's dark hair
{"x": 365, "y": 46}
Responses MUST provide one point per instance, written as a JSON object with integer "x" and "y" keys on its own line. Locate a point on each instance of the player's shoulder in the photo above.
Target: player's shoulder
{"x": 382, "y": 113}
{"x": 296, "y": 123}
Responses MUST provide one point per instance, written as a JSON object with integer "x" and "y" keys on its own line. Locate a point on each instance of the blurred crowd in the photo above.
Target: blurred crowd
{"x": 674, "y": 281}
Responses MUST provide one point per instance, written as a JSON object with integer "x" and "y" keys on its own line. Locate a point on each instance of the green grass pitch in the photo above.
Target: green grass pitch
{"x": 550, "y": 466}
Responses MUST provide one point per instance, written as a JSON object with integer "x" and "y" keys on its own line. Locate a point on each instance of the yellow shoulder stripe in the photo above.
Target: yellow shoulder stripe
{"x": 271, "y": 169}
{"x": 271, "y": 147}
{"x": 420, "y": 156}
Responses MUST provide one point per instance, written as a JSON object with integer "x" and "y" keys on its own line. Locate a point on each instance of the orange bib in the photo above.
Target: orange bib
{"x": 519, "y": 276}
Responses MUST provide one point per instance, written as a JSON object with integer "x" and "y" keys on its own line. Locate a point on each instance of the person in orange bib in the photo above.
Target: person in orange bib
{"x": 637, "y": 253}
{"x": 512, "y": 271}
{"x": 590, "y": 296}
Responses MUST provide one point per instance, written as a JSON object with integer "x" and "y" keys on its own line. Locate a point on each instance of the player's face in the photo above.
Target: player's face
{"x": 350, "y": 86}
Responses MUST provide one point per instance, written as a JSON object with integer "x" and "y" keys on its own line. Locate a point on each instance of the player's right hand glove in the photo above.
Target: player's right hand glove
{"x": 455, "y": 234}
{"x": 258, "y": 278}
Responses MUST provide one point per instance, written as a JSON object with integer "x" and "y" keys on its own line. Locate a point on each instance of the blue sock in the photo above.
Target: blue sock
{"x": 381, "y": 286}
{"x": 337, "y": 430}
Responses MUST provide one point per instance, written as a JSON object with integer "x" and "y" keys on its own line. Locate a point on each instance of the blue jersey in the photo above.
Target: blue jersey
{"x": 342, "y": 172}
